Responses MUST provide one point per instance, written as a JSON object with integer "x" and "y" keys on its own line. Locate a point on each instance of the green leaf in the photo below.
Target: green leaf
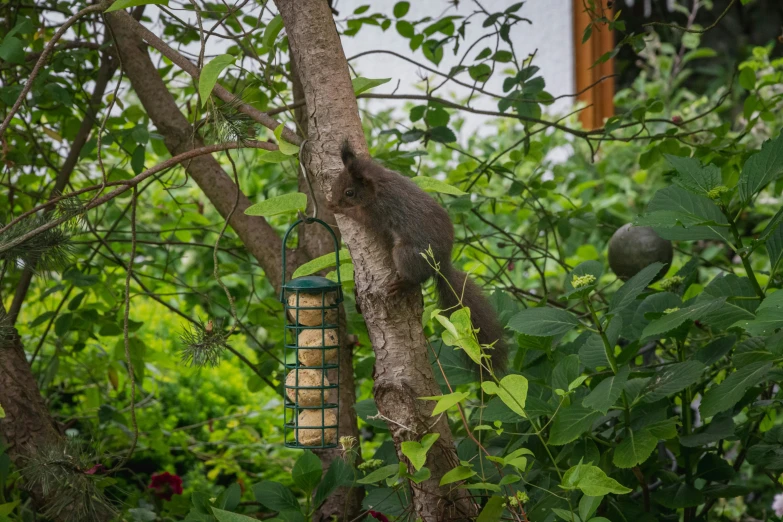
{"x": 12, "y": 51}
{"x": 570, "y": 422}
{"x": 679, "y": 496}
{"x": 762, "y": 168}
{"x": 670, "y": 321}
{"x": 406, "y": 30}
{"x": 635, "y": 448}
{"x": 437, "y": 116}
{"x": 340, "y": 473}
{"x": 271, "y": 156}
{"x": 775, "y": 248}
{"x": 769, "y": 316}
{"x": 278, "y": 205}
{"x": 728, "y": 393}
{"x": 457, "y": 474}
{"x": 566, "y": 371}
{"x": 227, "y": 516}
{"x": 124, "y": 4}
{"x": 41, "y": 318}
{"x": 493, "y": 510}
{"x": 307, "y": 472}
{"x": 593, "y": 353}
{"x": 588, "y": 505}
{"x": 516, "y": 459}
{"x": 512, "y": 391}
{"x": 605, "y": 395}
{"x": 543, "y": 322}
{"x": 7, "y": 508}
{"x": 346, "y": 273}
{"x": 209, "y": 75}
{"x": 747, "y": 79}
{"x": 275, "y": 496}
{"x": 229, "y": 498}
{"x": 731, "y": 286}
{"x": 320, "y": 263}
{"x": 417, "y": 451}
{"x": 419, "y": 476}
{"x": 690, "y": 210}
{"x": 673, "y": 379}
{"x": 401, "y": 9}
{"x": 446, "y": 401}
{"x": 480, "y": 72}
{"x": 665, "y": 429}
{"x": 772, "y": 226}
{"x": 435, "y": 185}
{"x": 271, "y": 32}
{"x": 137, "y": 160}
{"x": 488, "y": 486}
{"x": 2, "y": 412}
{"x": 137, "y": 350}
{"x": 442, "y": 134}
{"x": 502, "y": 56}
{"x": 591, "y": 480}
{"x": 715, "y": 350}
{"x": 286, "y": 148}
{"x": 633, "y": 288}
{"x": 361, "y": 84}
{"x": 721, "y": 427}
{"x": 460, "y": 332}
{"x": 694, "y": 176}
{"x": 380, "y": 474}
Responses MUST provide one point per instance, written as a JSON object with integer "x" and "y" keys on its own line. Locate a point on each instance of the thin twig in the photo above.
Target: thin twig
{"x": 102, "y": 6}
{"x": 695, "y": 31}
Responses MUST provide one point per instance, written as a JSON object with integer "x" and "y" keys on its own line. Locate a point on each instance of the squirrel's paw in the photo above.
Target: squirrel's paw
{"x": 397, "y": 286}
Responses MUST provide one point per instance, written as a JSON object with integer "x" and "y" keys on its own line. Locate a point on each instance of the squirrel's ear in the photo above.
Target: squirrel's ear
{"x": 347, "y": 154}
{"x": 353, "y": 166}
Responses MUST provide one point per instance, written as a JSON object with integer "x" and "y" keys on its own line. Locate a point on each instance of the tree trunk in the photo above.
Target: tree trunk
{"x": 346, "y": 504}
{"x": 402, "y": 369}
{"x": 27, "y": 429}
{"x": 256, "y": 234}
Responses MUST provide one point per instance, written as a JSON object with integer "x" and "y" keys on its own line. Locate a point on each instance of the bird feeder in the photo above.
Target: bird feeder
{"x": 312, "y": 354}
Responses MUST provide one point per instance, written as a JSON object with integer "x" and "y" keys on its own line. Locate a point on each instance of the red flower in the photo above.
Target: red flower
{"x": 379, "y": 516}
{"x": 98, "y": 468}
{"x": 165, "y": 485}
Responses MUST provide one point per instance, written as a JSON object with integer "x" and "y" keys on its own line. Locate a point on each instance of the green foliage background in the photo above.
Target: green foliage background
{"x": 570, "y": 434}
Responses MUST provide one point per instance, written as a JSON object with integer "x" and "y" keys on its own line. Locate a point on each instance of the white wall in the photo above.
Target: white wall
{"x": 550, "y": 36}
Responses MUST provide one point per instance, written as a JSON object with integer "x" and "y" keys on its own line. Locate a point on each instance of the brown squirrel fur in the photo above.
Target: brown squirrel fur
{"x": 409, "y": 222}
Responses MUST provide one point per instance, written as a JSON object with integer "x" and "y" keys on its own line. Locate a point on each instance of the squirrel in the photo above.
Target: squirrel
{"x": 409, "y": 223}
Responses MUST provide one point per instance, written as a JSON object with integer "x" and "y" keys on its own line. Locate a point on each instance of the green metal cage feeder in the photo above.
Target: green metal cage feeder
{"x": 312, "y": 354}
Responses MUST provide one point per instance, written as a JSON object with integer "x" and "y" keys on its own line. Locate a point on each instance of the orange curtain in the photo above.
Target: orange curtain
{"x": 600, "y": 97}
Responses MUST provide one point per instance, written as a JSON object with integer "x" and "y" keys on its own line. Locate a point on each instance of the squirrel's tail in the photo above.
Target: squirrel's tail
{"x": 453, "y": 286}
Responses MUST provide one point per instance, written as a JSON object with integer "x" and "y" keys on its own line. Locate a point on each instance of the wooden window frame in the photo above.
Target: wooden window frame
{"x": 594, "y": 85}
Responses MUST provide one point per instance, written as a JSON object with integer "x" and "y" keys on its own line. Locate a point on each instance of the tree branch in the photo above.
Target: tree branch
{"x": 100, "y": 7}
{"x": 125, "y": 20}
{"x": 126, "y": 185}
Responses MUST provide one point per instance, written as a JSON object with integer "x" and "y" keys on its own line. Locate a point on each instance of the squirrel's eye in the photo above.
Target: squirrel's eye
{"x": 350, "y": 193}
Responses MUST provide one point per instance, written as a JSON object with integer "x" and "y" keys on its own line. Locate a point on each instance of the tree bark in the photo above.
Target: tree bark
{"x": 256, "y": 234}
{"x": 402, "y": 369}
{"x": 346, "y": 503}
{"x": 27, "y": 426}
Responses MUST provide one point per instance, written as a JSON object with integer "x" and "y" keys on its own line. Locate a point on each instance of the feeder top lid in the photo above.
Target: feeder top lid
{"x": 311, "y": 283}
